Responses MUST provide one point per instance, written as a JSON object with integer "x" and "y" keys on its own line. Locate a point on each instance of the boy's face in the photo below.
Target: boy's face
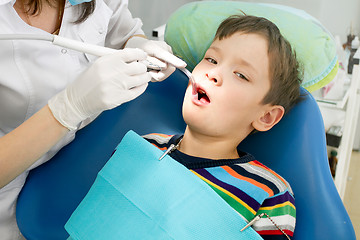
{"x": 232, "y": 80}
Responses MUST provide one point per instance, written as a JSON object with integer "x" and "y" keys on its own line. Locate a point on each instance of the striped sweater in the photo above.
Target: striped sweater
{"x": 248, "y": 186}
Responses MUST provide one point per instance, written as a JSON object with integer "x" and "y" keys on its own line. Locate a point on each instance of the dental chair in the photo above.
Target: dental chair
{"x": 295, "y": 148}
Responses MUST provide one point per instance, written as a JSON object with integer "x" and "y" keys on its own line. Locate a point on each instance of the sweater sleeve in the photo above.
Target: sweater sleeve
{"x": 279, "y": 209}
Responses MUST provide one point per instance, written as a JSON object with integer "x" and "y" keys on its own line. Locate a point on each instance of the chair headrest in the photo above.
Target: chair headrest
{"x": 191, "y": 29}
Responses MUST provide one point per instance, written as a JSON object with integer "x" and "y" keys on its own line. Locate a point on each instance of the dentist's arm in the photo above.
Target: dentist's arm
{"x": 109, "y": 82}
{"x": 20, "y": 148}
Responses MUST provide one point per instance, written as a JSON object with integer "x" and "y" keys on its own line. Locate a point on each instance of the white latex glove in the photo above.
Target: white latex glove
{"x": 160, "y": 50}
{"x": 112, "y": 80}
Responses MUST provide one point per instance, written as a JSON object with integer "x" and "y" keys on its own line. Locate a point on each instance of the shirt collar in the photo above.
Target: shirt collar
{"x": 192, "y": 162}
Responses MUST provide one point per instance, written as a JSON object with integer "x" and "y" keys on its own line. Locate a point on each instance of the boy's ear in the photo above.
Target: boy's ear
{"x": 272, "y": 115}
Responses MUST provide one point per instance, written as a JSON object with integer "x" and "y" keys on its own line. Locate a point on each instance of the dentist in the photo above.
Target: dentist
{"x": 47, "y": 92}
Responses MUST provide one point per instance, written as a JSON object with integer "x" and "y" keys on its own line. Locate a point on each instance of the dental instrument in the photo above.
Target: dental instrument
{"x": 77, "y": 46}
{"x": 191, "y": 79}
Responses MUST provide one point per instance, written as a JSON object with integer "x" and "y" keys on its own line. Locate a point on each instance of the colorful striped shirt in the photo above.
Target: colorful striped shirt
{"x": 248, "y": 186}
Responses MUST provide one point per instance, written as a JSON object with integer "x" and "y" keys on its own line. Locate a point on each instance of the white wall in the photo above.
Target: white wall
{"x": 154, "y": 13}
{"x": 337, "y": 16}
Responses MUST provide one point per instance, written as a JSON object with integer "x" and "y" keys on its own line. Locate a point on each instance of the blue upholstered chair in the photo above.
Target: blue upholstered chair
{"x": 295, "y": 148}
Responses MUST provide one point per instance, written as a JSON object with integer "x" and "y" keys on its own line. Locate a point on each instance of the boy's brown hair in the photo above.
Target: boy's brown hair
{"x": 285, "y": 77}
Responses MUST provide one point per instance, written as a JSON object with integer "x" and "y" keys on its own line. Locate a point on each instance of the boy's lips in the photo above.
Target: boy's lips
{"x": 201, "y": 97}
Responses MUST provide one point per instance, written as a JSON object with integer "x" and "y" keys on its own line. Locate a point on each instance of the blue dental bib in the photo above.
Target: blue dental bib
{"x": 136, "y": 196}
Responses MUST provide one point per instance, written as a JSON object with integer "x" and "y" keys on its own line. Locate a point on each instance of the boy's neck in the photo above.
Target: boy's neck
{"x": 204, "y": 146}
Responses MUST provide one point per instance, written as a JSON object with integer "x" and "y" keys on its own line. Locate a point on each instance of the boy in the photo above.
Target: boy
{"x": 246, "y": 81}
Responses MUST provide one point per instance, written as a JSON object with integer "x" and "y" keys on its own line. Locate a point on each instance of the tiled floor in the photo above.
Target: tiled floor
{"x": 352, "y": 192}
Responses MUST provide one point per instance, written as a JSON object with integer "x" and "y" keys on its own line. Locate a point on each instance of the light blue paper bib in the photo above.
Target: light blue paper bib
{"x": 136, "y": 196}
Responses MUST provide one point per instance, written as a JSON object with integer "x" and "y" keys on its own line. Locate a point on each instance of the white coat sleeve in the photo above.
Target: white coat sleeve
{"x": 122, "y": 25}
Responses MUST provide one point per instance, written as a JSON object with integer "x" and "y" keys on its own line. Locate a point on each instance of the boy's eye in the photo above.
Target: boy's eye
{"x": 241, "y": 76}
{"x": 211, "y": 60}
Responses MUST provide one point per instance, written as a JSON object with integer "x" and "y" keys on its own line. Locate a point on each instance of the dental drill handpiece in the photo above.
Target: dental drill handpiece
{"x": 98, "y": 50}
{"x": 76, "y": 45}
{"x": 191, "y": 79}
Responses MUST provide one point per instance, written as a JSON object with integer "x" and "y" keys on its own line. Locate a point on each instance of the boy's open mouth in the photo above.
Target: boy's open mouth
{"x": 202, "y": 96}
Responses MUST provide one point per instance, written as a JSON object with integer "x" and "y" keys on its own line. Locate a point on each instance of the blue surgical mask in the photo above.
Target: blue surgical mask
{"x": 76, "y": 2}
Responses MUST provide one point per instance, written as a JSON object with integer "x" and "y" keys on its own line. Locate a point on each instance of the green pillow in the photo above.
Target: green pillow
{"x": 191, "y": 29}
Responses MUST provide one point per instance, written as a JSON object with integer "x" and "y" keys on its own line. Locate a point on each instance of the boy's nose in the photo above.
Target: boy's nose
{"x": 214, "y": 77}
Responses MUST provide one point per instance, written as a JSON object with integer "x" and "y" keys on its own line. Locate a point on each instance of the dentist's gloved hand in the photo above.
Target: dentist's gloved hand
{"x": 160, "y": 50}
{"x": 112, "y": 80}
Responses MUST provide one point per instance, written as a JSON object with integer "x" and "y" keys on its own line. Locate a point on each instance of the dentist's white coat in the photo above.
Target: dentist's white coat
{"x": 31, "y": 72}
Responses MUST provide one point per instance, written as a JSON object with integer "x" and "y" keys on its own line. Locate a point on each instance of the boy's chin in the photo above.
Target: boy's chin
{"x": 193, "y": 119}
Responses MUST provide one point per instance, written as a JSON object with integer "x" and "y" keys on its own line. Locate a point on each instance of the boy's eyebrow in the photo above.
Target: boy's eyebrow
{"x": 215, "y": 48}
{"x": 242, "y": 61}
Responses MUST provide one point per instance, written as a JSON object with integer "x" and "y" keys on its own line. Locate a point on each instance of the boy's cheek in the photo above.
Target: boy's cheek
{"x": 188, "y": 92}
